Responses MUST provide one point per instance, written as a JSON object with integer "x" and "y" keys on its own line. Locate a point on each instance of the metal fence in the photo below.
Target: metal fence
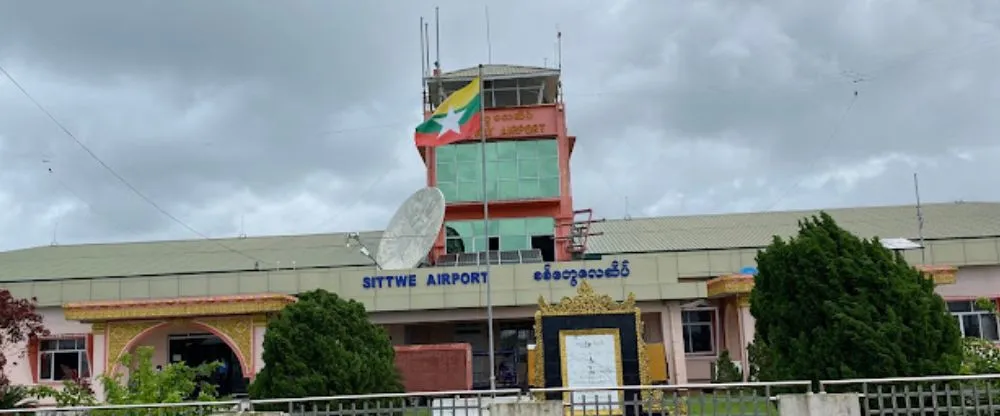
{"x": 731, "y": 399}
{"x": 446, "y": 403}
{"x": 926, "y": 396}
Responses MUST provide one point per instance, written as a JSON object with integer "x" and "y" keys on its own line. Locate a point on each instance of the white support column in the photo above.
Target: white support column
{"x": 100, "y": 358}
{"x": 673, "y": 342}
{"x": 746, "y": 330}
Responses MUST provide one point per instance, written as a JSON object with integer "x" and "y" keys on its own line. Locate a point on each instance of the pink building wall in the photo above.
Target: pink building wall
{"x": 19, "y": 369}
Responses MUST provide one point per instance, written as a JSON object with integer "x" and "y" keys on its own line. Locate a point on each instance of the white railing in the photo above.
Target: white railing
{"x": 967, "y": 395}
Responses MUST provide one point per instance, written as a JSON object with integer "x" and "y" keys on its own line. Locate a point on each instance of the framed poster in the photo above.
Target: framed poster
{"x": 592, "y": 358}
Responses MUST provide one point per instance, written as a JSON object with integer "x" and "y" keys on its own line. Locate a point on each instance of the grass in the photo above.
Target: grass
{"x": 717, "y": 405}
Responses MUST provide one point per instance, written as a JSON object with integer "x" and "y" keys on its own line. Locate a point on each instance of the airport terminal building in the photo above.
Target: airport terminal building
{"x": 198, "y": 299}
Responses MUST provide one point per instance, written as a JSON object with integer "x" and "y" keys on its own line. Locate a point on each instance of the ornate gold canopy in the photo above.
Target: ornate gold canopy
{"x": 588, "y": 302}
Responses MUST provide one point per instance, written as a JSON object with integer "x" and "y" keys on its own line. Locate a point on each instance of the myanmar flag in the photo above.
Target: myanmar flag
{"x": 457, "y": 118}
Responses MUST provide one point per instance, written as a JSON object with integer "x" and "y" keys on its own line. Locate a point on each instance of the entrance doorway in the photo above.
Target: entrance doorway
{"x": 198, "y": 349}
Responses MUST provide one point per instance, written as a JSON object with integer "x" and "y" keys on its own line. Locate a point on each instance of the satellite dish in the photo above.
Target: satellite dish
{"x": 412, "y": 230}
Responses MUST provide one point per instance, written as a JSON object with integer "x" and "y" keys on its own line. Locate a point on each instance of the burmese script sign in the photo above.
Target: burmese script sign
{"x": 537, "y": 121}
{"x": 591, "y": 358}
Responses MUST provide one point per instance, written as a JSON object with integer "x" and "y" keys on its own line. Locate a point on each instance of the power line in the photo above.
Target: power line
{"x": 111, "y": 170}
{"x": 829, "y": 139}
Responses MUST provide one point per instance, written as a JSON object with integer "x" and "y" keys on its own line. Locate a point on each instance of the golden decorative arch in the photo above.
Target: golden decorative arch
{"x": 589, "y": 302}
{"x": 120, "y": 337}
{"x": 239, "y": 331}
{"x": 232, "y": 318}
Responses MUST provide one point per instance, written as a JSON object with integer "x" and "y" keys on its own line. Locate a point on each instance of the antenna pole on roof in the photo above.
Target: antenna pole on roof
{"x": 423, "y": 46}
{"x": 486, "y": 231}
{"x": 920, "y": 220}
{"x": 489, "y": 43}
{"x": 55, "y": 232}
{"x": 437, "y": 53}
{"x": 558, "y": 48}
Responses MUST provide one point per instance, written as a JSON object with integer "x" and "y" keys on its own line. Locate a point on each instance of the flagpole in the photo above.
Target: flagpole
{"x": 486, "y": 231}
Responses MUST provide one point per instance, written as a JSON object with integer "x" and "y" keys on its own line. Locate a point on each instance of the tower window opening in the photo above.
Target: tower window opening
{"x": 546, "y": 244}
{"x": 494, "y": 243}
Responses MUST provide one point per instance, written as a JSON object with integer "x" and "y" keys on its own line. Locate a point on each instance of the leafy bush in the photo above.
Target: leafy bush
{"x": 829, "y": 305}
{"x": 16, "y": 397}
{"x": 19, "y": 322}
{"x": 323, "y": 345}
{"x": 980, "y": 356}
{"x": 175, "y": 383}
{"x": 725, "y": 370}
{"x": 75, "y": 391}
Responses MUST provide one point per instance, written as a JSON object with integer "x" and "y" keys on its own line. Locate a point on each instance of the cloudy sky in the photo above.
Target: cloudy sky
{"x": 297, "y": 116}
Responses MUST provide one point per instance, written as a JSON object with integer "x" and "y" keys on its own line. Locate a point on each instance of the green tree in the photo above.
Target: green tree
{"x": 175, "y": 383}
{"x": 829, "y": 305}
{"x": 19, "y": 322}
{"x": 323, "y": 345}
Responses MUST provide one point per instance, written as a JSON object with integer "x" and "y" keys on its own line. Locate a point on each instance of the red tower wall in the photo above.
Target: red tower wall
{"x": 521, "y": 123}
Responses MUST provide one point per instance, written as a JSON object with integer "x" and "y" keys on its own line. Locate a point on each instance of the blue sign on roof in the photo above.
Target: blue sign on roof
{"x": 749, "y": 270}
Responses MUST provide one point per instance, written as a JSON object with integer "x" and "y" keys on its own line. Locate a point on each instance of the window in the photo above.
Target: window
{"x": 973, "y": 321}
{"x": 505, "y": 234}
{"x": 698, "y": 326}
{"x": 515, "y": 170}
{"x": 59, "y": 359}
{"x": 500, "y": 93}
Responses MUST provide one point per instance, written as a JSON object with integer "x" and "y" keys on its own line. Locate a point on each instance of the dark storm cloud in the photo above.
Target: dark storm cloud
{"x": 296, "y": 116}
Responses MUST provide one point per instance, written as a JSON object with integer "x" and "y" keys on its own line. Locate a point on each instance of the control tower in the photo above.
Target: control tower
{"x": 528, "y": 181}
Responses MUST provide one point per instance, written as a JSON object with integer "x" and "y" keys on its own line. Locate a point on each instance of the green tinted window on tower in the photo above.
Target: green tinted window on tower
{"x": 512, "y": 234}
{"x": 515, "y": 169}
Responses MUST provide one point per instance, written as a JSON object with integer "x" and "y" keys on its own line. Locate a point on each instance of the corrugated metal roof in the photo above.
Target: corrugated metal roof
{"x": 961, "y": 220}
{"x": 498, "y": 71}
{"x": 183, "y": 256}
{"x": 706, "y": 232}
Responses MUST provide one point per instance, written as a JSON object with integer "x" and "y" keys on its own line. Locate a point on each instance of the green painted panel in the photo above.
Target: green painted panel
{"x": 76, "y": 291}
{"x": 48, "y": 293}
{"x": 223, "y": 285}
{"x": 106, "y": 290}
{"x": 193, "y": 286}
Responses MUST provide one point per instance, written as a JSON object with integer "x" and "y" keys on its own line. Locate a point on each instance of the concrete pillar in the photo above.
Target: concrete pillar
{"x": 673, "y": 342}
{"x": 100, "y": 358}
{"x": 747, "y": 324}
{"x": 822, "y": 404}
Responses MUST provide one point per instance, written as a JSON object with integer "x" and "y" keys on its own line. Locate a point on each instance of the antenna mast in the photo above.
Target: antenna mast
{"x": 55, "y": 232}
{"x": 437, "y": 53}
{"x": 427, "y": 49}
{"x": 558, "y": 48}
{"x": 423, "y": 63}
{"x": 423, "y": 66}
{"x": 243, "y": 233}
{"x": 489, "y": 43}
{"x": 920, "y": 220}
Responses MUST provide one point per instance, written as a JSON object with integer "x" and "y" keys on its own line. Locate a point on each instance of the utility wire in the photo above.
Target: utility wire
{"x": 111, "y": 170}
{"x": 825, "y": 144}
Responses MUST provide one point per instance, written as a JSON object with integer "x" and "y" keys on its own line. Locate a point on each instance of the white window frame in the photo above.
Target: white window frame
{"x": 82, "y": 359}
{"x": 974, "y": 312}
{"x": 712, "y": 330}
